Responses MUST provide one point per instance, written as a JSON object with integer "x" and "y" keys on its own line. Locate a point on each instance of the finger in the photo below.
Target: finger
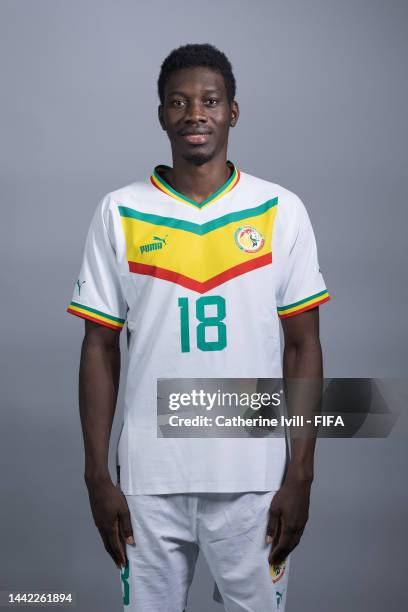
{"x": 125, "y": 527}
{"x": 288, "y": 540}
{"x": 272, "y": 527}
{"x": 120, "y": 544}
{"x": 115, "y": 544}
{"x": 278, "y": 554}
{"x": 109, "y": 549}
{"x": 278, "y": 531}
{"x": 279, "y": 544}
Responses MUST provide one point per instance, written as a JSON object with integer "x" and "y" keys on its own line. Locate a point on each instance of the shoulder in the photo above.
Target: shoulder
{"x": 106, "y": 215}
{"x": 127, "y": 194}
{"x": 290, "y": 207}
{"x": 131, "y": 195}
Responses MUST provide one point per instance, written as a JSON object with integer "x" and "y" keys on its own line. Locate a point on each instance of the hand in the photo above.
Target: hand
{"x": 288, "y": 514}
{"x": 112, "y": 518}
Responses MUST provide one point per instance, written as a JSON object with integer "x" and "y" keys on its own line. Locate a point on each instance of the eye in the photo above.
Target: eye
{"x": 211, "y": 101}
{"x": 177, "y": 103}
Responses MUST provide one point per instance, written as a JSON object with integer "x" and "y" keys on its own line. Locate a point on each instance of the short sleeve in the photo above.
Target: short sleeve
{"x": 301, "y": 284}
{"x": 97, "y": 294}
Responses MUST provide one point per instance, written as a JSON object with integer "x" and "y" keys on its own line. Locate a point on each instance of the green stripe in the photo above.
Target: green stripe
{"x": 196, "y": 228}
{"x": 183, "y": 197}
{"x": 316, "y": 295}
{"x": 98, "y": 312}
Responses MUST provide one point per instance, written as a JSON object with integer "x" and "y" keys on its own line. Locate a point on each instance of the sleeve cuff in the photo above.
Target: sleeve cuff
{"x": 303, "y": 305}
{"x": 95, "y": 315}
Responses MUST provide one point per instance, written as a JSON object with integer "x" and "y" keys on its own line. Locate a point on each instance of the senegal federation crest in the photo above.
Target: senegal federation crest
{"x": 277, "y": 571}
{"x": 249, "y": 239}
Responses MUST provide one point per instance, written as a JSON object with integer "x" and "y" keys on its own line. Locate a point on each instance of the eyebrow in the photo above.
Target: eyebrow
{"x": 208, "y": 90}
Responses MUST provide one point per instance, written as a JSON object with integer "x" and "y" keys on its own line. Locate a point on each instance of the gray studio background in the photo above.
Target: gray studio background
{"x": 323, "y": 92}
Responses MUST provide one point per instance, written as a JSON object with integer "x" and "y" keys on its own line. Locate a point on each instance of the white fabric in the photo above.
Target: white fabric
{"x": 228, "y": 528}
{"x": 153, "y": 465}
{"x": 295, "y": 254}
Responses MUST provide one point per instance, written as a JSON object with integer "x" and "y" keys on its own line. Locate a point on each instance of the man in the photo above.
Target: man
{"x": 201, "y": 261}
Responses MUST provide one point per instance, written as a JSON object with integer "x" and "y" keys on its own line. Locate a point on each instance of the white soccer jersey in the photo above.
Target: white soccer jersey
{"x": 201, "y": 288}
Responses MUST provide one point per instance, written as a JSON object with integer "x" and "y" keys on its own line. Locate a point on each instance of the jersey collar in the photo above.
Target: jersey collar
{"x": 159, "y": 182}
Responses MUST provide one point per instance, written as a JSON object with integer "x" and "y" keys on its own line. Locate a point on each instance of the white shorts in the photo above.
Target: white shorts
{"x": 229, "y": 529}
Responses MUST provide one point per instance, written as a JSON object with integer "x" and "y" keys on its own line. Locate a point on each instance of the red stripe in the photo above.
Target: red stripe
{"x": 162, "y": 273}
{"x": 295, "y": 312}
{"x": 84, "y": 316}
{"x": 200, "y": 287}
{"x": 242, "y": 268}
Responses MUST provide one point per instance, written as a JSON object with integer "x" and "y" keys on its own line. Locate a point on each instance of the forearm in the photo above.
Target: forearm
{"x": 99, "y": 375}
{"x": 302, "y": 373}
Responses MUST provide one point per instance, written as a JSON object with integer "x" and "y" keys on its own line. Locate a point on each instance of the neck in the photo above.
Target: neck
{"x": 198, "y": 182}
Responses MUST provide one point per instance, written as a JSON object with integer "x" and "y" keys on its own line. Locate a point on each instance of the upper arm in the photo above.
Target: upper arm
{"x": 100, "y": 334}
{"x": 301, "y": 329}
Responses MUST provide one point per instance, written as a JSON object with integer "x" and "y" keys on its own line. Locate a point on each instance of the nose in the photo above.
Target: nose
{"x": 195, "y": 112}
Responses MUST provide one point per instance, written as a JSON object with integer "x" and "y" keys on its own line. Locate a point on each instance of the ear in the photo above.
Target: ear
{"x": 160, "y": 115}
{"x": 234, "y": 113}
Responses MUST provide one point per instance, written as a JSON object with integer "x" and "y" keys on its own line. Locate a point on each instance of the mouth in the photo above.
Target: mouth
{"x": 196, "y": 138}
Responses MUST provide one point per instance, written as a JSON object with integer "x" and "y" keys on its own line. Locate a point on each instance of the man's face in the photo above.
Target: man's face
{"x": 196, "y": 114}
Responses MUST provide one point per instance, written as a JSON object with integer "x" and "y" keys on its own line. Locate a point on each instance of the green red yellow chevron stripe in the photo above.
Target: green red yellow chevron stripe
{"x": 196, "y": 256}
{"x": 158, "y": 181}
{"x": 95, "y": 315}
{"x": 201, "y": 287}
{"x": 303, "y": 305}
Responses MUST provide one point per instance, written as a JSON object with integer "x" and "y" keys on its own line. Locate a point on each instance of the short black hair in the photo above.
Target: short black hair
{"x": 197, "y": 55}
